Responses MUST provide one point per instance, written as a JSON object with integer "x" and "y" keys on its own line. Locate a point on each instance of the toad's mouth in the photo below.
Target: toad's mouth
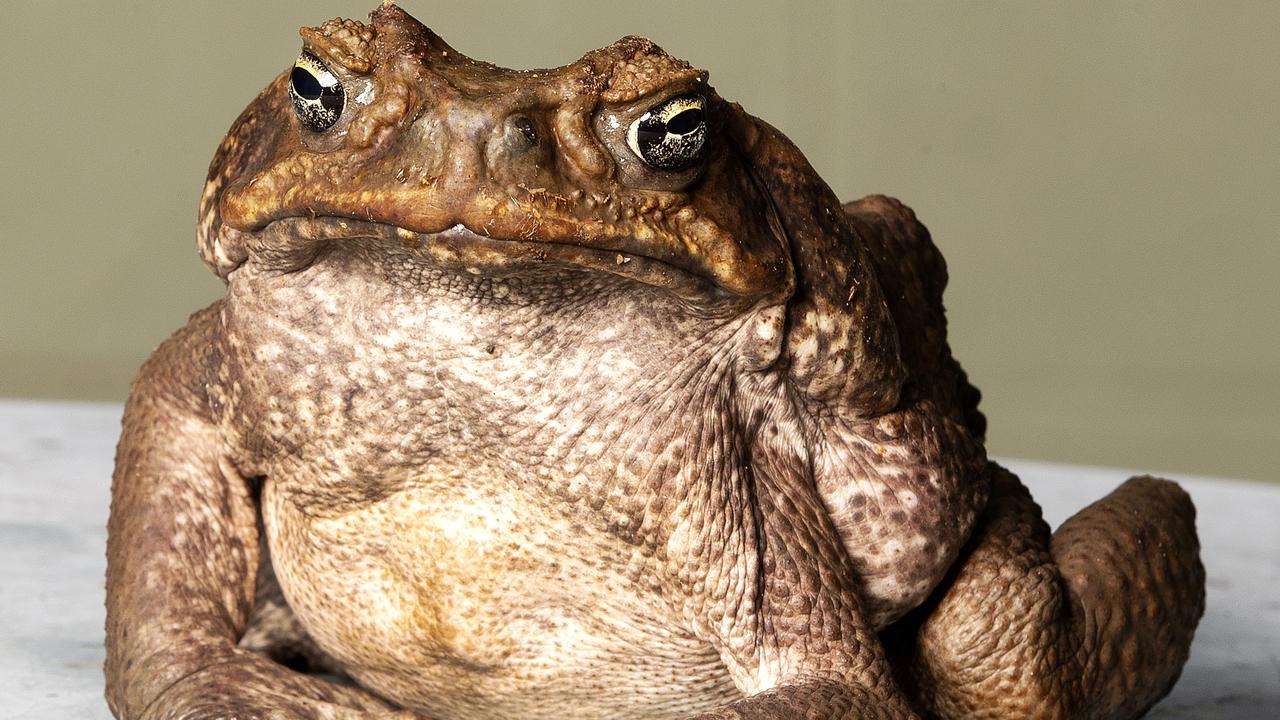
{"x": 459, "y": 248}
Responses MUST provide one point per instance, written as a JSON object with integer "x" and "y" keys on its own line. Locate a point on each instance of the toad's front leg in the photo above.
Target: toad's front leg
{"x": 781, "y": 606}
{"x": 182, "y": 554}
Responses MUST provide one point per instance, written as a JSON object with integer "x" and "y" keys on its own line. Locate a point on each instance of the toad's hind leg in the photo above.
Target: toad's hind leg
{"x": 1095, "y": 622}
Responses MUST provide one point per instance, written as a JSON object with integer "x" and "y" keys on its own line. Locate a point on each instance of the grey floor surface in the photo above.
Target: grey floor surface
{"x": 55, "y": 461}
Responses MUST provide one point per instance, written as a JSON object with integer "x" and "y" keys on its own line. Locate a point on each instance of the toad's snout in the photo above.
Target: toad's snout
{"x": 507, "y": 147}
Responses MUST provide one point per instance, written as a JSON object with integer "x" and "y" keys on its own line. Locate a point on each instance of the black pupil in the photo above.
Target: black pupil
{"x": 305, "y": 84}
{"x": 308, "y": 87}
{"x": 651, "y": 133}
{"x": 685, "y": 122}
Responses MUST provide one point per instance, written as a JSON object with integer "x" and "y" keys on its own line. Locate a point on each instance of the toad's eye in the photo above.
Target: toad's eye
{"x": 672, "y": 134}
{"x": 316, "y": 93}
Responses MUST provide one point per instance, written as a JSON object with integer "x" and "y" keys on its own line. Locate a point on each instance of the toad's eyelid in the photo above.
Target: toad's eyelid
{"x": 319, "y": 68}
{"x": 683, "y": 99}
{"x": 658, "y": 97}
{"x": 686, "y": 101}
{"x": 676, "y": 105}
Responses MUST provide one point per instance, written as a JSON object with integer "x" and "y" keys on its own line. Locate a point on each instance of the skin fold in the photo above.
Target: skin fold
{"x": 503, "y": 415}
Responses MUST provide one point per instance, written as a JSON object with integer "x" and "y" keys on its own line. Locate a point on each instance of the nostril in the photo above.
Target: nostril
{"x": 526, "y": 128}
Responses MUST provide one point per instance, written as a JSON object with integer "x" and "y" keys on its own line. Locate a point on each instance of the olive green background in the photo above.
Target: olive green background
{"x": 1104, "y": 180}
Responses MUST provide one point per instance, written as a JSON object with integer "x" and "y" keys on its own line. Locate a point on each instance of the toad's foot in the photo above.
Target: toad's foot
{"x": 1093, "y": 623}
{"x": 249, "y": 687}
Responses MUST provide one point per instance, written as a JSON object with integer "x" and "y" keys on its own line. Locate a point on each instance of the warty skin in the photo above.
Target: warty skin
{"x": 499, "y": 419}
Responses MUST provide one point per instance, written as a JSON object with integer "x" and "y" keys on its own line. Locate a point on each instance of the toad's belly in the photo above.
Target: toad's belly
{"x": 476, "y": 603}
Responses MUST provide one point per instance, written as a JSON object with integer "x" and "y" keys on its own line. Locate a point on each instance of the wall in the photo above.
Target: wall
{"x": 1104, "y": 180}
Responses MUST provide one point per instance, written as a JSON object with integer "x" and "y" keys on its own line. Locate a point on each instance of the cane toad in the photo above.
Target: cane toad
{"x": 576, "y": 392}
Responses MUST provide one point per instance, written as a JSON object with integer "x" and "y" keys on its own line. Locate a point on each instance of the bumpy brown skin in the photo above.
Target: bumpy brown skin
{"x": 499, "y": 421}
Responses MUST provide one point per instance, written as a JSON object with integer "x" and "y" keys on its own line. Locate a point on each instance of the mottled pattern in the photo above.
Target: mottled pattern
{"x": 495, "y": 420}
